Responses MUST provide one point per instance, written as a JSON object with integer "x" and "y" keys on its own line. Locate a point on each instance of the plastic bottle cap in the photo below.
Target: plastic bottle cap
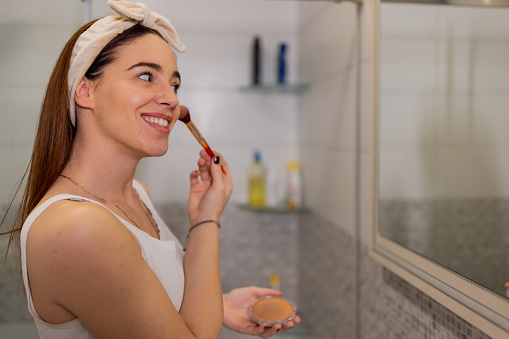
{"x": 257, "y": 155}
{"x": 293, "y": 166}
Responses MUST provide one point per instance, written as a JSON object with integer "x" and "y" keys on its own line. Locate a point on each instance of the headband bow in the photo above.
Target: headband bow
{"x": 96, "y": 37}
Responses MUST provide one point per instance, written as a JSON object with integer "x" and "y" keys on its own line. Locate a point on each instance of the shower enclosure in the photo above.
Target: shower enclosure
{"x": 32, "y": 33}
{"x": 444, "y": 144}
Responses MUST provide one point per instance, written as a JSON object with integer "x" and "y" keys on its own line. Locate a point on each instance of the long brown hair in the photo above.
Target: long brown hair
{"x": 55, "y": 133}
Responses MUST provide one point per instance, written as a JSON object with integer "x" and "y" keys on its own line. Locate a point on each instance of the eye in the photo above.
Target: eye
{"x": 175, "y": 88}
{"x": 145, "y": 76}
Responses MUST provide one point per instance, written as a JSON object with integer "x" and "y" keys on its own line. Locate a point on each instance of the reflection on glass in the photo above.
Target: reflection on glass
{"x": 444, "y": 136}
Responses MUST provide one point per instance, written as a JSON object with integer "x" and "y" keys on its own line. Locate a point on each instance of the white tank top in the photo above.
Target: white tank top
{"x": 164, "y": 256}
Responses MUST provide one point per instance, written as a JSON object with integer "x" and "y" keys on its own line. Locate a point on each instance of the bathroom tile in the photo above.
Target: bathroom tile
{"x": 13, "y": 304}
{"x": 176, "y": 165}
{"x": 221, "y": 15}
{"x": 489, "y": 121}
{"x": 224, "y": 60}
{"x": 473, "y": 22}
{"x": 328, "y": 113}
{"x": 459, "y": 171}
{"x": 22, "y": 13}
{"x": 456, "y": 62}
{"x": 19, "y": 329}
{"x": 491, "y": 70}
{"x": 17, "y": 160}
{"x": 309, "y": 11}
{"x": 405, "y": 20}
{"x": 18, "y": 64}
{"x": 326, "y": 294}
{"x": 408, "y": 120}
{"x": 407, "y": 64}
{"x": 319, "y": 57}
{"x": 408, "y": 173}
{"x": 334, "y": 198}
{"x": 456, "y": 119}
{"x": 244, "y": 116}
{"x": 19, "y": 108}
{"x": 456, "y": 241}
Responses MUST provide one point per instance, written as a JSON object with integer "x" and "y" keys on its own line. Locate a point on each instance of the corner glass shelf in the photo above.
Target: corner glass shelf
{"x": 295, "y": 87}
{"x": 276, "y": 209}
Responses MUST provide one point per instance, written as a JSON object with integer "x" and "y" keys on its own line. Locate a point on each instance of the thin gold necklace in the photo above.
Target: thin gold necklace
{"x": 145, "y": 208}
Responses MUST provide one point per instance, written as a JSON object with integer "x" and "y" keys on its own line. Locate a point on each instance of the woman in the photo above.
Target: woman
{"x": 97, "y": 260}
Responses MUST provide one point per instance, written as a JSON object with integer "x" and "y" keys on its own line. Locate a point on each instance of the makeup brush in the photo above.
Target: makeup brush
{"x": 185, "y": 117}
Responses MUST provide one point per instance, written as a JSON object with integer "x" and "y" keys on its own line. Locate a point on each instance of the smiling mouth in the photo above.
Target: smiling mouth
{"x": 158, "y": 121}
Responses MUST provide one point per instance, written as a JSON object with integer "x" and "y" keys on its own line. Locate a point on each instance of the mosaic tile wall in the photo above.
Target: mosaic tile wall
{"x": 13, "y": 304}
{"x": 469, "y": 236}
{"x": 254, "y": 246}
{"x": 361, "y": 299}
{"x": 340, "y": 291}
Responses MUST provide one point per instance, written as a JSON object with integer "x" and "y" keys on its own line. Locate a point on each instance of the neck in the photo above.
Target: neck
{"x": 103, "y": 171}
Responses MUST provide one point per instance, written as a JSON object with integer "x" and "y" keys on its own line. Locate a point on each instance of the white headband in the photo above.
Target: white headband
{"x": 96, "y": 37}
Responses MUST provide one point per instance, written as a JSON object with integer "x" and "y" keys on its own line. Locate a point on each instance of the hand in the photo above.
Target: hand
{"x": 211, "y": 187}
{"x": 236, "y": 317}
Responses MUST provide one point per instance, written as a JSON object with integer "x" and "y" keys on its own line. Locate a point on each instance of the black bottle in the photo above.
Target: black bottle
{"x": 256, "y": 61}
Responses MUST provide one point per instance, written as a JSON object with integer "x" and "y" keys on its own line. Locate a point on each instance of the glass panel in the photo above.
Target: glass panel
{"x": 444, "y": 189}
{"x": 32, "y": 33}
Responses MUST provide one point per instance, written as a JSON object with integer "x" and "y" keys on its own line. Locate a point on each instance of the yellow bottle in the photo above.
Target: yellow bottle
{"x": 257, "y": 182}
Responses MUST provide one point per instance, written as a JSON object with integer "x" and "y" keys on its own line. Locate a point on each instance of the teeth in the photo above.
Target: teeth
{"x": 158, "y": 121}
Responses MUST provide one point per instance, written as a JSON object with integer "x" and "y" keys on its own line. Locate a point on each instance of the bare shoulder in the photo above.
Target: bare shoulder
{"x": 79, "y": 224}
{"x": 83, "y": 263}
{"x": 71, "y": 248}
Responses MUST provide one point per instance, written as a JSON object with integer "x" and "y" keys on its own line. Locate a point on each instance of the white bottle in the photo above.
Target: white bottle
{"x": 294, "y": 187}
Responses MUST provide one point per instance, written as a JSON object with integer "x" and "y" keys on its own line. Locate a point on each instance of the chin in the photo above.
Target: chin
{"x": 159, "y": 153}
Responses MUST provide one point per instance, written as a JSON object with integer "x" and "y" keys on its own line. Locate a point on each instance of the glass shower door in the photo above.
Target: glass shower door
{"x": 32, "y": 34}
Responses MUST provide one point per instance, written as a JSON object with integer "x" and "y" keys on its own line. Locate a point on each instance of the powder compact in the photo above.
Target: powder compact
{"x": 272, "y": 310}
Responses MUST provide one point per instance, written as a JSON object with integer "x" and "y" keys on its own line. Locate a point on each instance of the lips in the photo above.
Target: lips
{"x": 157, "y": 119}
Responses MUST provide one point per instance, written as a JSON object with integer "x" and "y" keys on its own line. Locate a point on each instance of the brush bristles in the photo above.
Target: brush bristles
{"x": 185, "y": 116}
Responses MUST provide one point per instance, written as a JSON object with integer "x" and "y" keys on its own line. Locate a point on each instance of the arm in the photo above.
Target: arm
{"x": 83, "y": 263}
{"x": 202, "y": 307}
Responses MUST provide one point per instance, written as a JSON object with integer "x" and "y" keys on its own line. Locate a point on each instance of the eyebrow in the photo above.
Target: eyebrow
{"x": 154, "y": 66}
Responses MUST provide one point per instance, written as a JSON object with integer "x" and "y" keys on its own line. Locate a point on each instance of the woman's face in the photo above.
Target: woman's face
{"x": 135, "y": 102}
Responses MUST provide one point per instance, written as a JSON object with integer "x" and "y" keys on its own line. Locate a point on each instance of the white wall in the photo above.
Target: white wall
{"x": 29, "y": 46}
{"x": 328, "y": 125}
{"x": 218, "y": 35}
{"x": 444, "y": 99}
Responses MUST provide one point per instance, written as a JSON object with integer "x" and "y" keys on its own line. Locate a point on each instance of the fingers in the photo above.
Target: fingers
{"x": 195, "y": 177}
{"x": 266, "y": 332}
{"x": 205, "y": 161}
{"x": 203, "y": 169}
{"x": 261, "y": 292}
{"x": 216, "y": 172}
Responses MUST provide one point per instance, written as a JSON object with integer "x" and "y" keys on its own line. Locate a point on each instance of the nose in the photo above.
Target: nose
{"x": 167, "y": 96}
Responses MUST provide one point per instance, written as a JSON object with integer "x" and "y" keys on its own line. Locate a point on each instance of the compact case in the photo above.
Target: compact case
{"x": 272, "y": 310}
